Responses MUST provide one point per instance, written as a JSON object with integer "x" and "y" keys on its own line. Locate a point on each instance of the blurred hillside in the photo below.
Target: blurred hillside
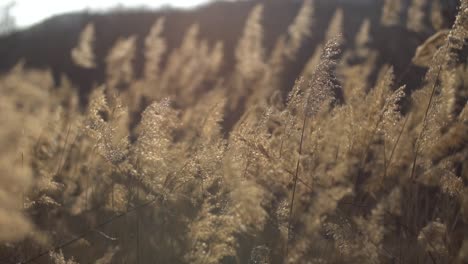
{"x": 48, "y": 44}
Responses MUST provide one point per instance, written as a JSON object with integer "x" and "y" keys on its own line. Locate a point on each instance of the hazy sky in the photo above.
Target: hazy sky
{"x": 28, "y": 12}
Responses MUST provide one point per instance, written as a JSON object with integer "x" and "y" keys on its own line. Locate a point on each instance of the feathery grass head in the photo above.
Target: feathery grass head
{"x": 323, "y": 83}
{"x": 391, "y": 13}
{"x": 83, "y": 54}
{"x": 250, "y": 54}
{"x": 155, "y": 47}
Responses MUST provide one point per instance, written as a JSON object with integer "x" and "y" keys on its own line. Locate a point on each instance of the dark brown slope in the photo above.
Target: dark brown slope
{"x": 48, "y": 45}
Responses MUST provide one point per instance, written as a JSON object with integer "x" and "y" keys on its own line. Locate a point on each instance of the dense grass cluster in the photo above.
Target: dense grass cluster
{"x": 185, "y": 165}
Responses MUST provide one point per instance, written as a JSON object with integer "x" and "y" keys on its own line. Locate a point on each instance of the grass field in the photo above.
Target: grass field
{"x": 190, "y": 164}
